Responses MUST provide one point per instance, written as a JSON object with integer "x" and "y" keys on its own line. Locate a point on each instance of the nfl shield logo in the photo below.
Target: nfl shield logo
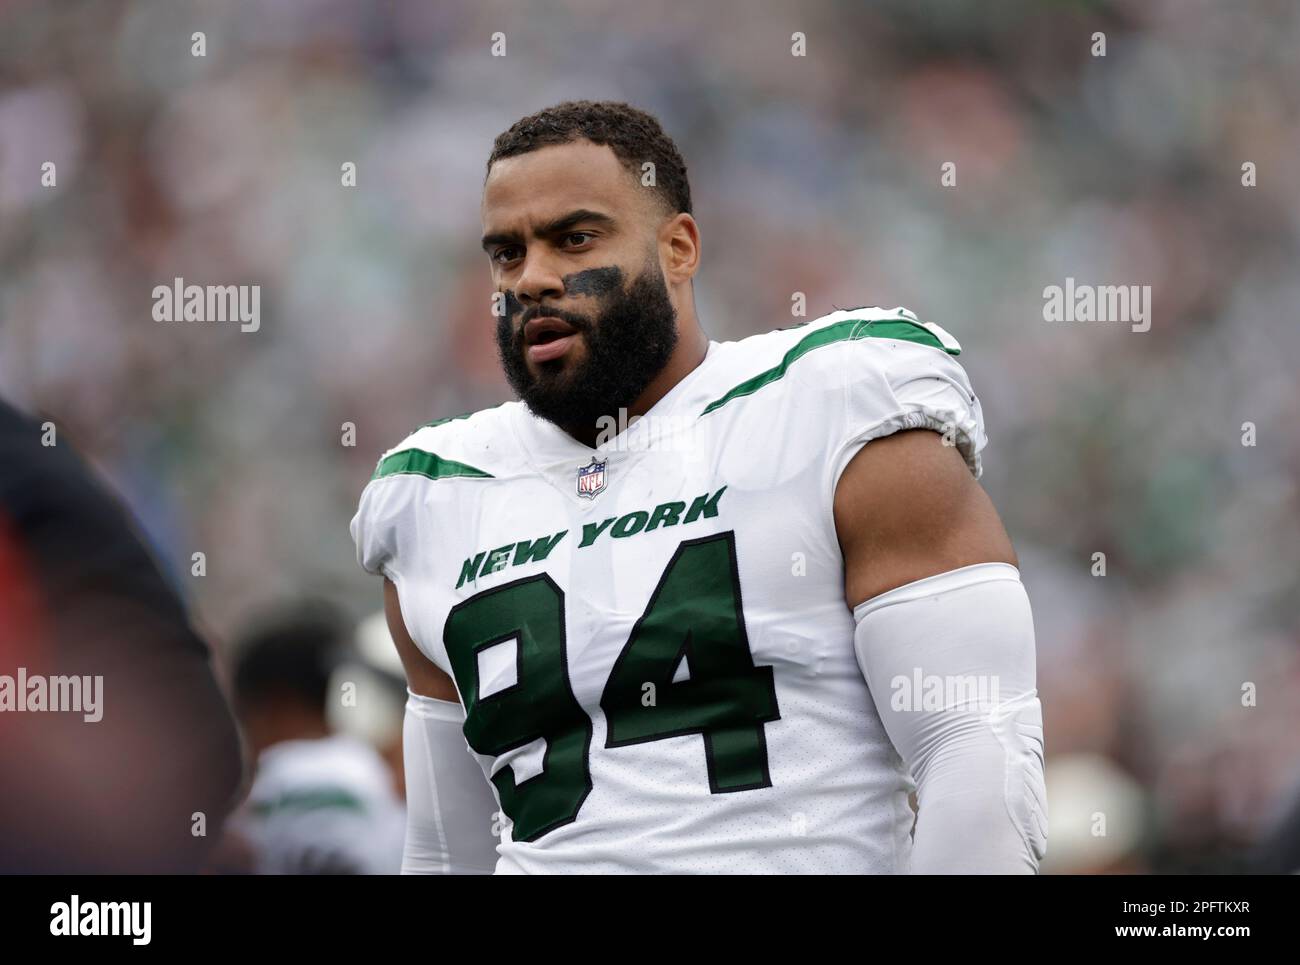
{"x": 591, "y": 479}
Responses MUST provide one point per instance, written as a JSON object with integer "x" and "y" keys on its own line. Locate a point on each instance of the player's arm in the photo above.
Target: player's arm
{"x": 933, "y": 582}
{"x": 449, "y": 806}
{"x": 423, "y": 676}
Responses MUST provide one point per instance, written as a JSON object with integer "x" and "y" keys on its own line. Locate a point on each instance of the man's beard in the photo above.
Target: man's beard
{"x": 627, "y": 346}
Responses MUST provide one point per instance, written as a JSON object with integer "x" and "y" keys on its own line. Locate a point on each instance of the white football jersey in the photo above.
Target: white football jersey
{"x": 650, "y": 638}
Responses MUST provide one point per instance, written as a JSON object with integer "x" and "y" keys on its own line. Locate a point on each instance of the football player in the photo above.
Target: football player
{"x": 689, "y": 605}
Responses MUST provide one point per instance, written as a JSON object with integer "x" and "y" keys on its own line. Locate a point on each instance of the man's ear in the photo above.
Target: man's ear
{"x": 679, "y": 242}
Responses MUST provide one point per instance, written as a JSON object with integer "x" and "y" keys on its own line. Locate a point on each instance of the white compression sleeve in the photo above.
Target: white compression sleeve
{"x": 950, "y": 663}
{"x": 449, "y": 805}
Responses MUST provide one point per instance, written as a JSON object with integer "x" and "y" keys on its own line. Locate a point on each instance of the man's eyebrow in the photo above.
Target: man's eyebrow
{"x": 551, "y": 228}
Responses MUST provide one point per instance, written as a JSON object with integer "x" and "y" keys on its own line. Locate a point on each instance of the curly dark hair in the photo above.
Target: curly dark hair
{"x": 633, "y": 135}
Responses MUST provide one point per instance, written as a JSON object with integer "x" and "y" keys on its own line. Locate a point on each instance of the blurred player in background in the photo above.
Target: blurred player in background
{"x": 321, "y": 802}
{"x": 373, "y": 671}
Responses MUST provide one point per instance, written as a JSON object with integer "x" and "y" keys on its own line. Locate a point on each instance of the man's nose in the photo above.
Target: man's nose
{"x": 538, "y": 281}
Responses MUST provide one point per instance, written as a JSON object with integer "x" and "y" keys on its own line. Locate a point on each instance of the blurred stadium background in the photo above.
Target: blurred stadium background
{"x": 817, "y": 174}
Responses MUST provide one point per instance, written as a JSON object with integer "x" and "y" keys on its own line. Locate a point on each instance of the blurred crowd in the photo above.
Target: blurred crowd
{"x": 1169, "y": 667}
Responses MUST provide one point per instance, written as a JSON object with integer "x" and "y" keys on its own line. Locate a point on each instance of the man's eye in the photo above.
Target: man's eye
{"x": 578, "y": 234}
{"x": 503, "y": 255}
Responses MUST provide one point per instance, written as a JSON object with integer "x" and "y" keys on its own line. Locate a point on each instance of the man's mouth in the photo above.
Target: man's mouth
{"x": 547, "y": 337}
{"x": 550, "y": 346}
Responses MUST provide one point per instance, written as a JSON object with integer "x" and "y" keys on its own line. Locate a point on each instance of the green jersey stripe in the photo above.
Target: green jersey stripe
{"x": 847, "y": 330}
{"x": 311, "y": 800}
{"x": 417, "y": 462}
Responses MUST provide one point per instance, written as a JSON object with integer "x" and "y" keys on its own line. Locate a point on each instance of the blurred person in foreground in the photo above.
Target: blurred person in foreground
{"x": 118, "y": 752}
{"x": 320, "y": 803}
{"x": 697, "y": 606}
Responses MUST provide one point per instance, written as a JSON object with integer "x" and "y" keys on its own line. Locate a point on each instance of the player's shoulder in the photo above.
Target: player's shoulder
{"x": 472, "y": 445}
{"x": 872, "y": 326}
{"x": 444, "y": 461}
{"x": 813, "y": 353}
